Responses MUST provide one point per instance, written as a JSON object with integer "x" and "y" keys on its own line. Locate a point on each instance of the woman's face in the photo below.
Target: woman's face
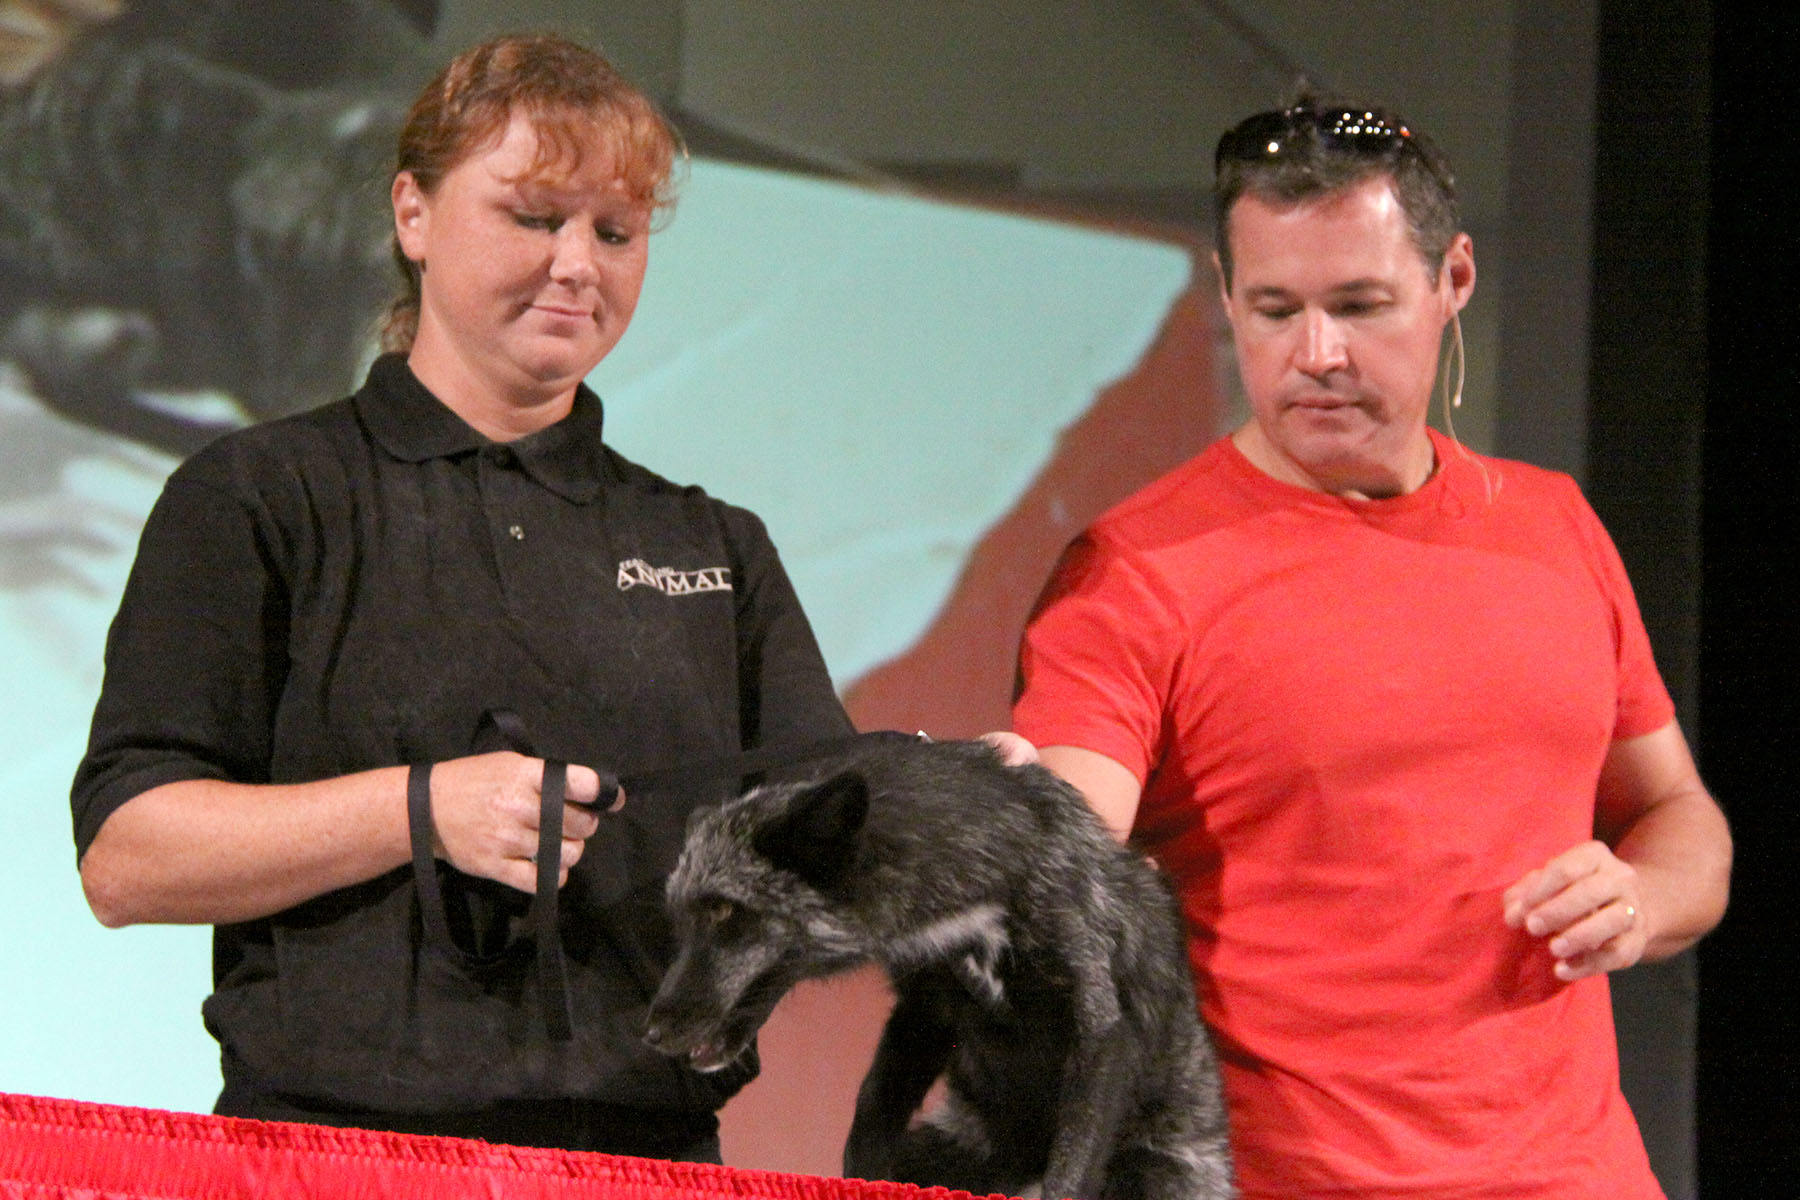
{"x": 528, "y": 281}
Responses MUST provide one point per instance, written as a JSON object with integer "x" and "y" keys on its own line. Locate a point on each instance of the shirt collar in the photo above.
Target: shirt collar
{"x": 413, "y": 425}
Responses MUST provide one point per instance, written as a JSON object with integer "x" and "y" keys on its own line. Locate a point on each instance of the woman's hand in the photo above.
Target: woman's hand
{"x": 484, "y": 816}
{"x": 207, "y": 851}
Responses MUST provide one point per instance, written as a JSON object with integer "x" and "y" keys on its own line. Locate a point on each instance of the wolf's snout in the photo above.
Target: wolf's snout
{"x": 704, "y": 1050}
{"x": 662, "y": 1029}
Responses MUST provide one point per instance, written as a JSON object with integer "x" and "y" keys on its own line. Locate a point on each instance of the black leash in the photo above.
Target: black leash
{"x": 552, "y": 972}
{"x": 754, "y": 762}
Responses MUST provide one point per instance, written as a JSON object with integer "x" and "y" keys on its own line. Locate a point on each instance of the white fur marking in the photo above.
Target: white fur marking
{"x": 979, "y": 971}
{"x": 980, "y": 930}
{"x": 832, "y": 934}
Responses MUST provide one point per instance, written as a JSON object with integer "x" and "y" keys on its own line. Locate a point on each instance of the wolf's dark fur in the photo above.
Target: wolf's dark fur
{"x": 1039, "y": 967}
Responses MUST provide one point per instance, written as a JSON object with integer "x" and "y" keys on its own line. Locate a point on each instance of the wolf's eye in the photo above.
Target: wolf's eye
{"x": 719, "y": 910}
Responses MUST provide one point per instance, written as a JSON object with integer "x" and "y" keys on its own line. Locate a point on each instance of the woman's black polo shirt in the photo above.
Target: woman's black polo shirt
{"x": 355, "y": 587}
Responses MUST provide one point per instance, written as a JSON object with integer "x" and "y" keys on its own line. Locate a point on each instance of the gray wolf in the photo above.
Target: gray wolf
{"x": 1039, "y": 968}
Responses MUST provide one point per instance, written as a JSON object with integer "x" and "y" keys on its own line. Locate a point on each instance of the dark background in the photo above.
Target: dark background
{"x": 1690, "y": 452}
{"x": 1749, "y": 1097}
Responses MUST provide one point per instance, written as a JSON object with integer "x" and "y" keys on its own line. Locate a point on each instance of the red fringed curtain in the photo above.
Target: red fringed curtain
{"x": 76, "y": 1151}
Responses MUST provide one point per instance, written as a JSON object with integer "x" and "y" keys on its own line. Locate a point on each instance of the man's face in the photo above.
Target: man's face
{"x": 1337, "y": 322}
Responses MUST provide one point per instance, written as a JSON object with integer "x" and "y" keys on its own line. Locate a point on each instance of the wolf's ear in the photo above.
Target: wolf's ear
{"x": 816, "y": 838}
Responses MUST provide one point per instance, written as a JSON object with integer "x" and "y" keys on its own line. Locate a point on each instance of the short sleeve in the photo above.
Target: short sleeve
{"x": 1098, "y": 657}
{"x": 1644, "y": 705}
{"x": 785, "y": 690}
{"x": 194, "y": 658}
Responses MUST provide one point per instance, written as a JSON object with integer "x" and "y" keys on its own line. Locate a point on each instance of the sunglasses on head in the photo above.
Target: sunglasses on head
{"x": 1267, "y": 135}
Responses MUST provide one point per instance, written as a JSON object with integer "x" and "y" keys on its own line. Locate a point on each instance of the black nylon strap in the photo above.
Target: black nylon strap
{"x": 546, "y": 900}
{"x": 763, "y": 758}
{"x": 551, "y": 971}
{"x": 553, "y": 983}
{"x": 425, "y": 879}
{"x": 511, "y": 728}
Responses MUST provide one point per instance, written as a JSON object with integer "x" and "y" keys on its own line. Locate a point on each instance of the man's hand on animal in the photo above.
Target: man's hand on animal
{"x": 1014, "y": 750}
{"x": 1586, "y": 905}
{"x": 484, "y": 814}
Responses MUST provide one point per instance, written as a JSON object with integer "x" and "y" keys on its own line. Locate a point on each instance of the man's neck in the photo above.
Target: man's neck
{"x": 1372, "y": 480}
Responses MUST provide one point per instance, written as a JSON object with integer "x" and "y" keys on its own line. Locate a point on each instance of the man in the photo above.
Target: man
{"x": 1387, "y": 713}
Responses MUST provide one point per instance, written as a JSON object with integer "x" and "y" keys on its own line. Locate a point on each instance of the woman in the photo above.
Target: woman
{"x": 321, "y": 602}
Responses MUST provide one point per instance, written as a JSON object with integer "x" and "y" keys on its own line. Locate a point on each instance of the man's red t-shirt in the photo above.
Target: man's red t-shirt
{"x": 1356, "y": 723}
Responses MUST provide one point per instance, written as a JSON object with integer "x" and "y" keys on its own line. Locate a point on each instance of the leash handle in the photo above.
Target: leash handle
{"x": 553, "y": 980}
{"x": 552, "y": 972}
{"x": 425, "y": 877}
